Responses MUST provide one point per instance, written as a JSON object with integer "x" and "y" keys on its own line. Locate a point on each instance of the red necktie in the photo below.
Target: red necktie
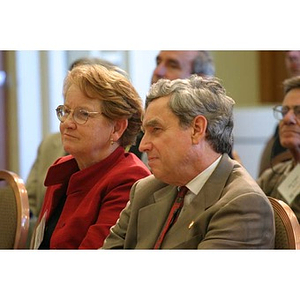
{"x": 173, "y": 215}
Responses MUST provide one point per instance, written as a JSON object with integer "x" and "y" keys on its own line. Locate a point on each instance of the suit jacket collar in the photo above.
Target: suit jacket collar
{"x": 208, "y": 196}
{"x": 65, "y": 167}
{"x": 213, "y": 188}
{"x": 157, "y": 212}
{"x": 210, "y": 192}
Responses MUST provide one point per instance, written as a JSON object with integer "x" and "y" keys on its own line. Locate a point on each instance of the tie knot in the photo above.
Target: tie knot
{"x": 182, "y": 190}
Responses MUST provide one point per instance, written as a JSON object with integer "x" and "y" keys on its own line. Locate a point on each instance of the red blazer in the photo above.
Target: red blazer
{"x": 95, "y": 198}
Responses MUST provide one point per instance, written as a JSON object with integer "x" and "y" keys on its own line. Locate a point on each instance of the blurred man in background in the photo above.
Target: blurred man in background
{"x": 178, "y": 64}
{"x": 274, "y": 152}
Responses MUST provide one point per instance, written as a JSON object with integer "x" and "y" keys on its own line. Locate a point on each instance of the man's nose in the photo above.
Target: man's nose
{"x": 144, "y": 144}
{"x": 290, "y": 117}
{"x": 160, "y": 70}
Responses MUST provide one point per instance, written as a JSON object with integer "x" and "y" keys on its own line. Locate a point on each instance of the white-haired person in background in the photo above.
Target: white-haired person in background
{"x": 282, "y": 181}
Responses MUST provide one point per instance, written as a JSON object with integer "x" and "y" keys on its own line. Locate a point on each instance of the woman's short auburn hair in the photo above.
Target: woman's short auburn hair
{"x": 118, "y": 97}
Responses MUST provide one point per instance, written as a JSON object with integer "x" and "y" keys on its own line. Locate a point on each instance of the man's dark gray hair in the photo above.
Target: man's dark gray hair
{"x": 291, "y": 83}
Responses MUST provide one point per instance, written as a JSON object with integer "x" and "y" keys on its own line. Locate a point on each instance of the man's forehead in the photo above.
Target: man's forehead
{"x": 158, "y": 103}
{"x": 292, "y": 97}
{"x": 157, "y": 108}
{"x": 178, "y": 55}
{"x": 292, "y": 53}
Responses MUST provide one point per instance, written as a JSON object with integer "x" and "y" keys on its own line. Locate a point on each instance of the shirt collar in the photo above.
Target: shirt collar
{"x": 196, "y": 184}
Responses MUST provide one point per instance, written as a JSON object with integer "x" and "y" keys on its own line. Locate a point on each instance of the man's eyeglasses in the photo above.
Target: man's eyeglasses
{"x": 280, "y": 111}
{"x": 80, "y": 115}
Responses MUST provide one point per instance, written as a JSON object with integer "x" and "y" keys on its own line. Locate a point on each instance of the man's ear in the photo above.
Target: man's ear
{"x": 119, "y": 128}
{"x": 199, "y": 126}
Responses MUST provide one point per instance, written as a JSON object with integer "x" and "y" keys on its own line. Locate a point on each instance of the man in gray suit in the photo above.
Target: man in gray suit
{"x": 188, "y": 134}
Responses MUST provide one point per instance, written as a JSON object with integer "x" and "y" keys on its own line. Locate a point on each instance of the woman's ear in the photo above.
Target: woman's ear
{"x": 199, "y": 126}
{"x": 119, "y": 128}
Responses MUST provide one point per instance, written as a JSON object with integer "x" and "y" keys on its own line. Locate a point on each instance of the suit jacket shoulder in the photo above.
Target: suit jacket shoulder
{"x": 230, "y": 211}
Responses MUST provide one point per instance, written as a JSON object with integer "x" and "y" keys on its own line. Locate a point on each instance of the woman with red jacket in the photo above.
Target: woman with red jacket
{"x": 86, "y": 190}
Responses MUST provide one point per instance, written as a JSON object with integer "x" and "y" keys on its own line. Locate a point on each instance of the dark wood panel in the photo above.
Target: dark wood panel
{"x": 272, "y": 73}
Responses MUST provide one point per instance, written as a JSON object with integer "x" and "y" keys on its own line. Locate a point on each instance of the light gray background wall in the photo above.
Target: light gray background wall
{"x": 35, "y": 86}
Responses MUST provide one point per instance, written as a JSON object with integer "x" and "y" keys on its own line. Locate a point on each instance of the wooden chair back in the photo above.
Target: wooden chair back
{"x": 14, "y": 211}
{"x": 287, "y": 226}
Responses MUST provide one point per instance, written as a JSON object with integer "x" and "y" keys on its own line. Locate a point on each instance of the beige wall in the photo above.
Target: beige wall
{"x": 239, "y": 72}
{"x": 12, "y": 110}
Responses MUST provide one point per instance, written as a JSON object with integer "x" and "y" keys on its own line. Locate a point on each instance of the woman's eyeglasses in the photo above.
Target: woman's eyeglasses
{"x": 80, "y": 115}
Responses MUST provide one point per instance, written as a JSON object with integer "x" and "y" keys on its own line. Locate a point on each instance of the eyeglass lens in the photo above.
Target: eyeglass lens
{"x": 80, "y": 116}
{"x": 281, "y": 111}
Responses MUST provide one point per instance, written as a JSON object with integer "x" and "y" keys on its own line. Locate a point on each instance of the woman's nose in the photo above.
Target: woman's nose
{"x": 69, "y": 122}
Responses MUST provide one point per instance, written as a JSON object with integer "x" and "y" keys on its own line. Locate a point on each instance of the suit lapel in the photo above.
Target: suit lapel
{"x": 152, "y": 217}
{"x": 213, "y": 188}
{"x": 208, "y": 196}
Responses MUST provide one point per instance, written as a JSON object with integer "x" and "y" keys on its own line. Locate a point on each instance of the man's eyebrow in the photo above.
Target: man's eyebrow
{"x": 173, "y": 61}
{"x": 151, "y": 123}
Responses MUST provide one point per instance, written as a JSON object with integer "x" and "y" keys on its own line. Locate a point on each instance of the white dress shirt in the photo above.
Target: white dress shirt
{"x": 196, "y": 184}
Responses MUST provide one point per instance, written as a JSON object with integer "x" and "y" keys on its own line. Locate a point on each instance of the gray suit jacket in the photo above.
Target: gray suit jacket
{"x": 230, "y": 212}
{"x": 271, "y": 179}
